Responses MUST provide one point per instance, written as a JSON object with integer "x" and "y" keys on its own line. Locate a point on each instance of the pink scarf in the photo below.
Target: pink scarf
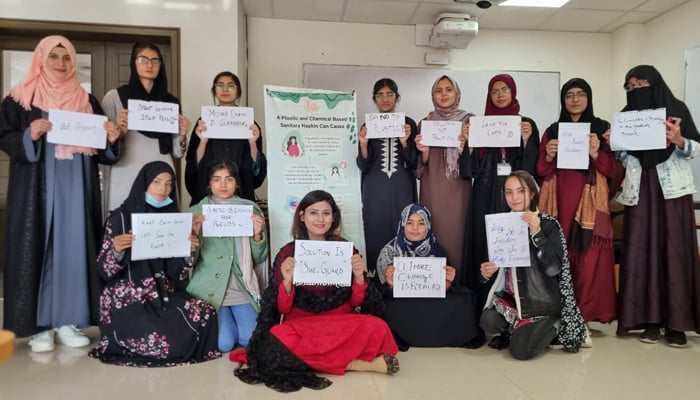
{"x": 40, "y": 88}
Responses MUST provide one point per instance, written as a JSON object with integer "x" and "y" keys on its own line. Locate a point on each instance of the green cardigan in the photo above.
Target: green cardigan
{"x": 216, "y": 258}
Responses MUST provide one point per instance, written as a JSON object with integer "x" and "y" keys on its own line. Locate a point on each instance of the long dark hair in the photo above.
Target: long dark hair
{"x": 239, "y": 91}
{"x": 230, "y": 166}
{"x": 299, "y": 230}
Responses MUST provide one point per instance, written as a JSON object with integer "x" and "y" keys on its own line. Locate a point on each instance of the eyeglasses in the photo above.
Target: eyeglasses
{"x": 639, "y": 83}
{"x": 146, "y": 60}
{"x": 504, "y": 90}
{"x": 227, "y": 86}
{"x": 576, "y": 95}
{"x": 387, "y": 95}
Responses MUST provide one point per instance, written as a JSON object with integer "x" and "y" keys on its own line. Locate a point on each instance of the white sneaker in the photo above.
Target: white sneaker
{"x": 588, "y": 343}
{"x": 43, "y": 341}
{"x": 71, "y": 336}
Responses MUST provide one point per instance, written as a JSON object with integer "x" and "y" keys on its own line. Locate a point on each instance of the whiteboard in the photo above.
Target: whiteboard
{"x": 538, "y": 92}
{"x": 692, "y": 100}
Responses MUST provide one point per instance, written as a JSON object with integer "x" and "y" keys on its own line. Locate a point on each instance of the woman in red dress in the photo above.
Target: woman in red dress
{"x": 308, "y": 328}
{"x": 580, "y": 198}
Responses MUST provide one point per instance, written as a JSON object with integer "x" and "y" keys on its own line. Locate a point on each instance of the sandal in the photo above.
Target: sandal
{"x": 392, "y": 364}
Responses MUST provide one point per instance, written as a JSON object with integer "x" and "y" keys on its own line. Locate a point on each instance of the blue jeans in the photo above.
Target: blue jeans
{"x": 236, "y": 325}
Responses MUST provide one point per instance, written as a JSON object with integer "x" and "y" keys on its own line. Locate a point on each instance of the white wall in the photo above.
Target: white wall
{"x": 279, "y": 48}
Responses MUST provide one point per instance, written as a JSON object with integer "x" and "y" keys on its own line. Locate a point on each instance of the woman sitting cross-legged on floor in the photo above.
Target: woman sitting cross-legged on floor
{"x": 308, "y": 328}
{"x": 451, "y": 321}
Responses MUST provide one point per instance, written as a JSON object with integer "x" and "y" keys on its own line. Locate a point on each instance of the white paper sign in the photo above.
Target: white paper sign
{"x": 153, "y": 116}
{"x": 77, "y": 129}
{"x": 574, "y": 141}
{"x": 385, "y": 125}
{"x": 419, "y": 276}
{"x": 639, "y": 130}
{"x": 508, "y": 240}
{"x": 320, "y": 262}
{"x": 495, "y": 131}
{"x": 161, "y": 235}
{"x": 441, "y": 133}
{"x": 228, "y": 122}
{"x": 227, "y": 220}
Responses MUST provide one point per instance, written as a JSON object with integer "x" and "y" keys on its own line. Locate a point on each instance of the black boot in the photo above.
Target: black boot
{"x": 501, "y": 341}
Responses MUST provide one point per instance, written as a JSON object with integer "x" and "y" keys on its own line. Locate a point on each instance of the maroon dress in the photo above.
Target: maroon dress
{"x": 592, "y": 271}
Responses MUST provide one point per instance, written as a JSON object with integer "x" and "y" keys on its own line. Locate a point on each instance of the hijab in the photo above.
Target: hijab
{"x": 453, "y": 113}
{"x": 656, "y": 96}
{"x": 41, "y": 89}
{"x": 136, "y": 201}
{"x": 120, "y": 220}
{"x": 513, "y": 108}
{"x": 135, "y": 90}
{"x": 598, "y": 126}
{"x": 400, "y": 246}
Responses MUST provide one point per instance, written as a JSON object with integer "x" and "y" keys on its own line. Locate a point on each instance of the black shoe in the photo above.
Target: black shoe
{"x": 676, "y": 339}
{"x": 650, "y": 335}
{"x": 500, "y": 342}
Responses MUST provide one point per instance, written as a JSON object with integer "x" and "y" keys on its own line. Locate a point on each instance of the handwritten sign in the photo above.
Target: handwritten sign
{"x": 227, "y": 220}
{"x": 508, "y": 240}
{"x": 161, "y": 235}
{"x": 77, "y": 129}
{"x": 385, "y": 125}
{"x": 228, "y": 122}
{"x": 321, "y": 262}
{"x": 419, "y": 276}
{"x": 494, "y": 131}
{"x": 639, "y": 130}
{"x": 153, "y": 116}
{"x": 440, "y": 133}
{"x": 574, "y": 142}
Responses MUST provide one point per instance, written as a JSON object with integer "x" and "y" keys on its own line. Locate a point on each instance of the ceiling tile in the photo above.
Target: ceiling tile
{"x": 427, "y": 11}
{"x": 660, "y": 5}
{"x": 632, "y": 17}
{"x": 315, "y": 10}
{"x": 517, "y": 18}
{"x": 566, "y": 20}
{"x": 620, "y": 5}
{"x": 258, "y": 8}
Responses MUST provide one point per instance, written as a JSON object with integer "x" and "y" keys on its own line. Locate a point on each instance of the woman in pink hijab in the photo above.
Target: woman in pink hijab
{"x": 445, "y": 173}
{"x": 53, "y": 204}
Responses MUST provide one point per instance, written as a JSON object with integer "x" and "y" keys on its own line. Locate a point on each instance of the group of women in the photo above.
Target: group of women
{"x": 173, "y": 311}
{"x": 60, "y": 278}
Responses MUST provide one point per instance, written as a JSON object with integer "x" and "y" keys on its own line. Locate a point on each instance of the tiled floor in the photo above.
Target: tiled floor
{"x": 616, "y": 368}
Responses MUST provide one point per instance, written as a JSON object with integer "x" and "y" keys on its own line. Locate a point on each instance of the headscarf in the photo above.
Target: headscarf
{"x": 513, "y": 108}
{"x": 656, "y": 96}
{"x": 41, "y": 89}
{"x": 452, "y": 113}
{"x": 400, "y": 246}
{"x": 136, "y": 201}
{"x": 135, "y": 90}
{"x": 120, "y": 220}
{"x": 598, "y": 126}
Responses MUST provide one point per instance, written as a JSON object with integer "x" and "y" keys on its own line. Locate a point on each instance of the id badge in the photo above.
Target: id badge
{"x": 503, "y": 169}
